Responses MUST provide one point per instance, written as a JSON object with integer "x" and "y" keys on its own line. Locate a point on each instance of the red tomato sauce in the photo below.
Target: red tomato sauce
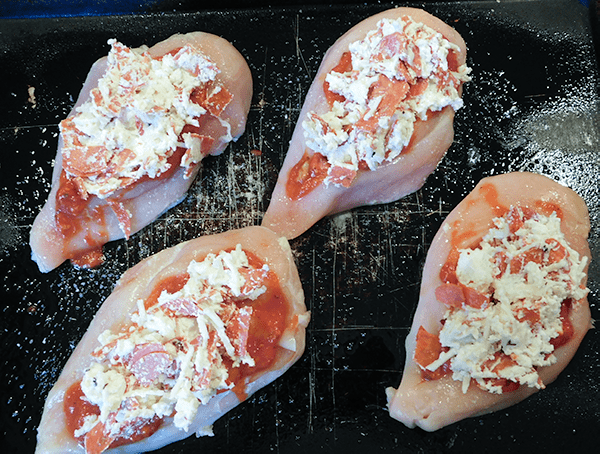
{"x": 170, "y": 284}
{"x": 270, "y": 318}
{"x": 490, "y": 195}
{"x": 76, "y": 408}
{"x": 306, "y": 175}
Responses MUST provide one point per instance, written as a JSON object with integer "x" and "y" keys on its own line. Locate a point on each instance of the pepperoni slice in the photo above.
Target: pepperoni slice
{"x": 149, "y": 361}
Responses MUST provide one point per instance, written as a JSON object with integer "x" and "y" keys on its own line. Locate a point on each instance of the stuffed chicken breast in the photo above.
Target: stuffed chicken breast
{"x": 186, "y": 335}
{"x": 131, "y": 146}
{"x": 503, "y": 304}
{"x": 376, "y": 121}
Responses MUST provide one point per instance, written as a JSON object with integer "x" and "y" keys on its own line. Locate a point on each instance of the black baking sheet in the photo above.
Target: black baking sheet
{"x": 533, "y": 105}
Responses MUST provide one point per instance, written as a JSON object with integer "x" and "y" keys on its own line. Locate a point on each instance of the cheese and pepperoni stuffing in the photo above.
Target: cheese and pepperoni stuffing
{"x": 193, "y": 337}
{"x": 400, "y": 73}
{"x": 141, "y": 122}
{"x": 508, "y": 303}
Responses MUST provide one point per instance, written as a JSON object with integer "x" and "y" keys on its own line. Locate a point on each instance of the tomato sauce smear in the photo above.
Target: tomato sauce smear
{"x": 270, "y": 318}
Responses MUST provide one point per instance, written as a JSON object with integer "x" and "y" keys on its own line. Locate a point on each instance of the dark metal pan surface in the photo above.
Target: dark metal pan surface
{"x": 533, "y": 105}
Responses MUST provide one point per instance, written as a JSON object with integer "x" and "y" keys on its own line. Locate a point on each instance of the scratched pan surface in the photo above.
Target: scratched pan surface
{"x": 533, "y": 105}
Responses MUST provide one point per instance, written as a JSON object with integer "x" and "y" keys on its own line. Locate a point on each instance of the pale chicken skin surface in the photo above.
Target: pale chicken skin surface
{"x": 380, "y": 146}
{"x": 262, "y": 320}
{"x": 431, "y": 401}
{"x": 97, "y": 197}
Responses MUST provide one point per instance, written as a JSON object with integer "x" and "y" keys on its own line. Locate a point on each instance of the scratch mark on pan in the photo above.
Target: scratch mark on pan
{"x": 262, "y": 102}
{"x": 277, "y": 421}
{"x": 313, "y": 362}
{"x": 231, "y": 188}
{"x": 390, "y": 246}
{"x": 297, "y": 38}
{"x": 423, "y": 244}
{"x": 333, "y": 334}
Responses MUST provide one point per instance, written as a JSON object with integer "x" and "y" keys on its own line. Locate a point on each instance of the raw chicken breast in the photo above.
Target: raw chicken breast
{"x": 398, "y": 161}
{"x": 435, "y": 403}
{"x": 88, "y": 219}
{"x": 141, "y": 283}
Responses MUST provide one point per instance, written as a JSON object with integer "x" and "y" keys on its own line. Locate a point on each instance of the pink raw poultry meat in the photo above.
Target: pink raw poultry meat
{"x": 433, "y": 402}
{"x": 269, "y": 326}
{"x": 402, "y": 165}
{"x": 81, "y": 222}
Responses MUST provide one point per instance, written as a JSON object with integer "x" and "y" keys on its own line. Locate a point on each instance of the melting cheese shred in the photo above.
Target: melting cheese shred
{"x": 170, "y": 359}
{"x": 399, "y": 72}
{"x": 527, "y": 275}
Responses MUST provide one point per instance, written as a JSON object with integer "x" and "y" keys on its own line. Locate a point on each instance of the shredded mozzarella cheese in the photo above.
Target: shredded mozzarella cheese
{"x": 475, "y": 337}
{"x": 191, "y": 331}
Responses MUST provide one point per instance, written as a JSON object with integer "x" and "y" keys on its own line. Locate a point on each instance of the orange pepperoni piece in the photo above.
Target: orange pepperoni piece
{"x": 213, "y": 100}
{"x": 534, "y": 254}
{"x": 182, "y": 307}
{"x": 455, "y": 295}
{"x": 450, "y": 294}
{"x": 428, "y": 350}
{"x": 344, "y": 65}
{"x": 254, "y": 279}
{"x": 149, "y": 361}
{"x": 86, "y": 161}
{"x": 96, "y": 440}
{"x": 342, "y": 176}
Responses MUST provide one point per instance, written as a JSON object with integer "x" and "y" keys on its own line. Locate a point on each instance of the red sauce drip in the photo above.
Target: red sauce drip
{"x": 270, "y": 318}
{"x": 460, "y": 234}
{"x": 306, "y": 175}
{"x": 69, "y": 206}
{"x": 490, "y": 194}
{"x": 76, "y": 408}
{"x": 71, "y": 212}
